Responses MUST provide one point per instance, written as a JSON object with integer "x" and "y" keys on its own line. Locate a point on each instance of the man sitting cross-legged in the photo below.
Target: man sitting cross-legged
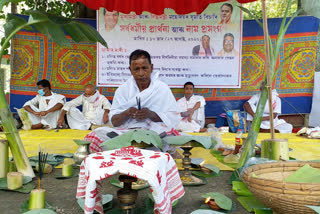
{"x": 143, "y": 101}
{"x": 95, "y": 110}
{"x": 44, "y": 109}
{"x": 250, "y": 107}
{"x": 192, "y": 110}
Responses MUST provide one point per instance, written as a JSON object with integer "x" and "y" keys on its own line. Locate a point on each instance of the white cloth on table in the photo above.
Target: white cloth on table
{"x": 198, "y": 117}
{"x": 157, "y": 168}
{"x": 93, "y": 109}
{"x": 279, "y": 124}
{"x": 39, "y": 103}
{"x": 157, "y": 97}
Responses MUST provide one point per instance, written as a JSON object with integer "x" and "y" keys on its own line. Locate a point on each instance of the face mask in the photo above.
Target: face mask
{"x": 41, "y": 92}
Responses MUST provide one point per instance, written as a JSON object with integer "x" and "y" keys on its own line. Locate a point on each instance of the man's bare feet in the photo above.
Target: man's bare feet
{"x": 37, "y": 126}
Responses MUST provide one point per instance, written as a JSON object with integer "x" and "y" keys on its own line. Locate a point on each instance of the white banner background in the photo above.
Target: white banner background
{"x": 170, "y": 39}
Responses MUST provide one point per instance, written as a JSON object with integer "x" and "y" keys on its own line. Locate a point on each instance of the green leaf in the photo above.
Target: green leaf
{"x": 221, "y": 200}
{"x": 27, "y": 187}
{"x": 315, "y": 208}
{"x": 196, "y": 141}
{"x": 26, "y": 179}
{"x": 250, "y": 203}
{"x": 201, "y": 174}
{"x": 219, "y": 156}
{"x": 74, "y": 32}
{"x": 106, "y": 202}
{"x": 24, "y": 208}
{"x": 12, "y": 23}
{"x": 138, "y": 136}
{"x": 251, "y": 15}
{"x": 40, "y": 211}
{"x": 241, "y": 188}
{"x": 262, "y": 211}
{"x": 39, "y": 22}
{"x": 6, "y": 2}
{"x": 91, "y": 33}
{"x": 202, "y": 211}
{"x": 57, "y": 34}
{"x": 305, "y": 174}
{"x": 81, "y": 142}
{"x": 174, "y": 204}
{"x": 212, "y": 168}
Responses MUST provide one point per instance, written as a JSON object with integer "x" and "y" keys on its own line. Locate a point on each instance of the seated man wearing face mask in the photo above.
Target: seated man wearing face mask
{"x": 44, "y": 109}
{"x": 95, "y": 110}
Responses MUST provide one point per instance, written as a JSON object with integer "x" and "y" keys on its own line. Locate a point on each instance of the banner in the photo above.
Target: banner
{"x": 202, "y": 48}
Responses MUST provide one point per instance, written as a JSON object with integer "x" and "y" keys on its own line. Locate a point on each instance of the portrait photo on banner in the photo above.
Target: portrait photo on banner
{"x": 205, "y": 47}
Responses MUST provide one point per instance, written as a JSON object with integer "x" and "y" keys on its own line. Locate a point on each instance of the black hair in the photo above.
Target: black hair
{"x": 228, "y": 5}
{"x": 44, "y": 83}
{"x": 228, "y": 34}
{"x": 105, "y": 10}
{"x": 204, "y": 36}
{"x": 139, "y": 54}
{"x": 188, "y": 83}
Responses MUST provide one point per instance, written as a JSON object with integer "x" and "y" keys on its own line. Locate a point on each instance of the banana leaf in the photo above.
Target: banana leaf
{"x": 315, "y": 208}
{"x": 24, "y": 208}
{"x": 53, "y": 27}
{"x": 40, "y": 211}
{"x": 203, "y": 211}
{"x": 196, "y": 141}
{"x": 250, "y": 203}
{"x": 201, "y": 174}
{"x": 241, "y": 188}
{"x": 221, "y": 200}
{"x": 141, "y": 137}
{"x": 106, "y": 202}
{"x": 248, "y": 150}
{"x": 305, "y": 174}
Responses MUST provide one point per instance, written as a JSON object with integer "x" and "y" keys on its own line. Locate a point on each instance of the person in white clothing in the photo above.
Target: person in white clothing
{"x": 143, "y": 101}
{"x": 192, "y": 110}
{"x": 95, "y": 110}
{"x": 44, "y": 110}
{"x": 280, "y": 125}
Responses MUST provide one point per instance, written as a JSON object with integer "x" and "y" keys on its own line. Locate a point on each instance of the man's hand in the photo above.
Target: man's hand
{"x": 105, "y": 116}
{"x": 37, "y": 114}
{"x": 185, "y": 114}
{"x": 190, "y": 112}
{"x": 43, "y": 113}
{"x": 132, "y": 112}
{"x": 60, "y": 121}
{"x": 142, "y": 114}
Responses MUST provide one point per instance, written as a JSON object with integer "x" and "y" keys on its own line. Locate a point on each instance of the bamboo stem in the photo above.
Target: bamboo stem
{"x": 14, "y": 180}
{"x": 20, "y": 157}
{"x": 37, "y": 199}
{"x": 4, "y": 158}
{"x": 267, "y": 65}
{"x": 67, "y": 170}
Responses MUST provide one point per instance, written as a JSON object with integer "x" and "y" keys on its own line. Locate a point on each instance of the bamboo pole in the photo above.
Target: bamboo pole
{"x": 19, "y": 154}
{"x": 4, "y": 158}
{"x": 267, "y": 66}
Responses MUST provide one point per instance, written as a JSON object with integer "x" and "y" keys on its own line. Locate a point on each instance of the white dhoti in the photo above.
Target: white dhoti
{"x": 198, "y": 118}
{"x": 76, "y": 120}
{"x": 45, "y": 103}
{"x": 187, "y": 126}
{"x": 51, "y": 119}
{"x": 279, "y": 124}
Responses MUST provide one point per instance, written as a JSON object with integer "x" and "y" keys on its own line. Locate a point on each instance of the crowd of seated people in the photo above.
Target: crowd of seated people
{"x": 143, "y": 101}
